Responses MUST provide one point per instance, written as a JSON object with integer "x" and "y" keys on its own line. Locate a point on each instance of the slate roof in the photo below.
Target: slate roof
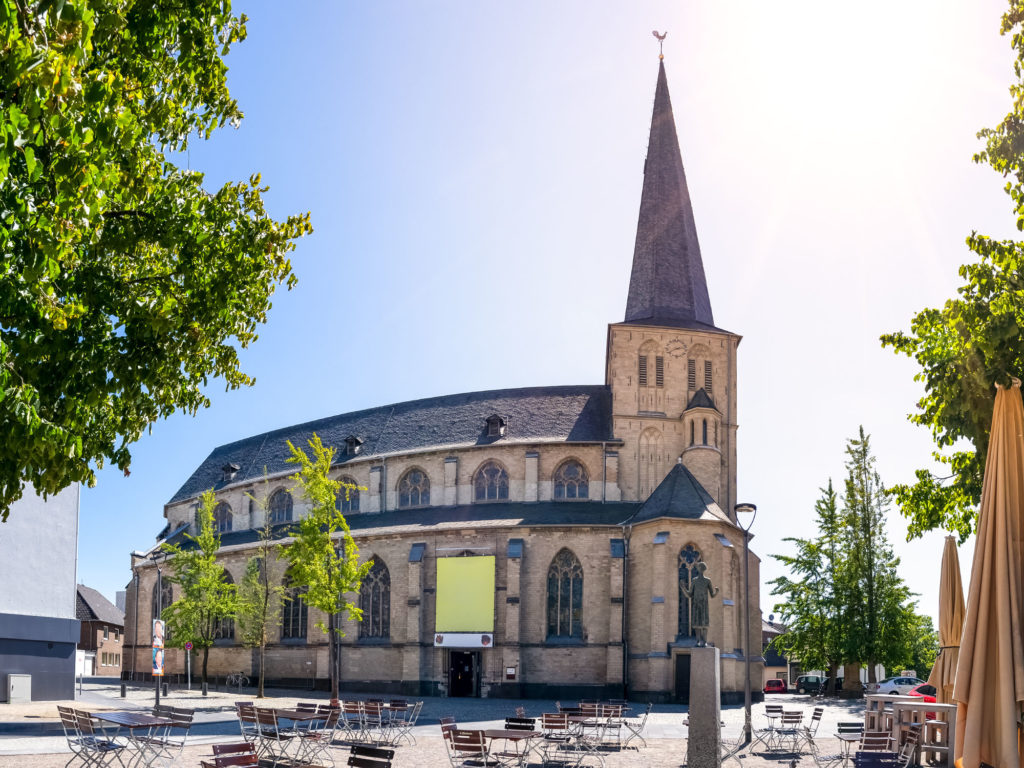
{"x": 90, "y": 605}
{"x": 431, "y": 520}
{"x": 701, "y": 399}
{"x": 679, "y": 496}
{"x": 542, "y": 414}
{"x": 667, "y": 285}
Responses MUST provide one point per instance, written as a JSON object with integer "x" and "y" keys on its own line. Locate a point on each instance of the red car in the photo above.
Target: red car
{"x": 926, "y": 692}
{"x": 775, "y": 686}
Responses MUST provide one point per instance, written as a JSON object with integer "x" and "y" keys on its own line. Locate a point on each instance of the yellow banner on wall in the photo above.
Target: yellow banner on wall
{"x": 465, "y": 594}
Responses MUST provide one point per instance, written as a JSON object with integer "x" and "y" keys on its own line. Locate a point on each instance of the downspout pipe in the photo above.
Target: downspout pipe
{"x": 627, "y": 532}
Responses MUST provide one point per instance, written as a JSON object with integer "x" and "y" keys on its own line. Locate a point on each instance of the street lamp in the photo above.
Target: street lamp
{"x": 746, "y": 509}
{"x": 156, "y": 557}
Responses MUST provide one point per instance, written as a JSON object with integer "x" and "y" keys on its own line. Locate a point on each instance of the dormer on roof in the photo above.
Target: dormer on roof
{"x": 353, "y": 445}
{"x": 701, "y": 399}
{"x": 496, "y": 426}
{"x": 228, "y": 472}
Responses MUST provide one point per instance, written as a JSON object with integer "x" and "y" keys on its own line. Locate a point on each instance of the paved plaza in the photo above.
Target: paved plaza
{"x": 30, "y": 733}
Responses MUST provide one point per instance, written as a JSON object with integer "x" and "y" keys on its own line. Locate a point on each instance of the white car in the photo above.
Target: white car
{"x": 896, "y": 685}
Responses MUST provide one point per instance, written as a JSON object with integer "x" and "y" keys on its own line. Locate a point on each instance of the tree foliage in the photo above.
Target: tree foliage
{"x": 206, "y": 598}
{"x": 125, "y": 285}
{"x": 844, "y": 601}
{"x": 811, "y": 610}
{"x": 974, "y": 341}
{"x": 323, "y": 556}
{"x": 260, "y": 597}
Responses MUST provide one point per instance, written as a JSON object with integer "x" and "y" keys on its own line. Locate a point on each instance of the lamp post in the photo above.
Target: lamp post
{"x": 745, "y": 509}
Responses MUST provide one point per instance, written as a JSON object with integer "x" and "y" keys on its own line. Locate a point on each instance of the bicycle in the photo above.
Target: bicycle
{"x": 237, "y": 679}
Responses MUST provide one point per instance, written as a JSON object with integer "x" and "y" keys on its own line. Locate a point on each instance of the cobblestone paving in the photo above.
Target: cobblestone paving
{"x": 665, "y": 732}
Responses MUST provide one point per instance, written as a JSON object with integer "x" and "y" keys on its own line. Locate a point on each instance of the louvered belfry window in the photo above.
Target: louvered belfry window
{"x": 691, "y": 374}
{"x": 642, "y": 373}
{"x": 659, "y": 371}
{"x": 707, "y": 376}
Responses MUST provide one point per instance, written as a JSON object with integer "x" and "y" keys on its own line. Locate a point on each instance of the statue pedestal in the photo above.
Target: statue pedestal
{"x": 704, "y": 748}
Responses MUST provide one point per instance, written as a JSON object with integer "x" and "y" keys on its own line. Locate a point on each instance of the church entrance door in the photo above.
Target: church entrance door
{"x": 683, "y": 678}
{"x": 464, "y": 673}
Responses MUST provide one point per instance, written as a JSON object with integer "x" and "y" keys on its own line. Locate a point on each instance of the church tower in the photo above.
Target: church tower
{"x": 671, "y": 370}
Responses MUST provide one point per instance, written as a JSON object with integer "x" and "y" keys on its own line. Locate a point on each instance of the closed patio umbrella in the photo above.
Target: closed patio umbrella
{"x": 951, "y": 623}
{"x": 989, "y": 684}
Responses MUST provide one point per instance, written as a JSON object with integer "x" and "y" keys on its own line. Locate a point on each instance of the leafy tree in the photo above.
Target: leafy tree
{"x": 323, "y": 555}
{"x": 206, "y": 598}
{"x": 811, "y": 611}
{"x": 924, "y": 646}
{"x": 125, "y": 285}
{"x": 260, "y": 598}
{"x": 974, "y": 341}
{"x": 844, "y": 601}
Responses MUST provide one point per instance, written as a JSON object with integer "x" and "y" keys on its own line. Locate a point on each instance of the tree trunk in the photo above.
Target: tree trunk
{"x": 206, "y": 658}
{"x": 263, "y": 651}
{"x": 333, "y": 645}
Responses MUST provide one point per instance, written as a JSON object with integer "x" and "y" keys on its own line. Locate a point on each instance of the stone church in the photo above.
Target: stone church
{"x": 525, "y": 542}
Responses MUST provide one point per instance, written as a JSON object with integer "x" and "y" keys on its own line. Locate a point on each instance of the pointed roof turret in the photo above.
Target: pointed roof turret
{"x": 667, "y": 285}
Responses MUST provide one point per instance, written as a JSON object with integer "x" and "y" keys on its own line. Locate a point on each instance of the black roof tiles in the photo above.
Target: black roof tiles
{"x": 544, "y": 414}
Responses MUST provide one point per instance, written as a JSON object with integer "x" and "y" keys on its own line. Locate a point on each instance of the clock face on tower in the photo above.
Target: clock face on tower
{"x": 676, "y": 347}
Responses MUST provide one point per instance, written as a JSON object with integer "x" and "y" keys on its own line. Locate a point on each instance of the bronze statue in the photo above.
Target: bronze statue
{"x": 700, "y": 593}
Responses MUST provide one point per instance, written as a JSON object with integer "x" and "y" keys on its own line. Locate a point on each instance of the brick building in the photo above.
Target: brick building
{"x": 102, "y": 635}
{"x": 527, "y": 542}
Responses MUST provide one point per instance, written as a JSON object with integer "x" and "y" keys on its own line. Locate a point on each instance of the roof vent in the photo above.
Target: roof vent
{"x": 353, "y": 445}
{"x": 495, "y": 426}
{"x": 230, "y": 470}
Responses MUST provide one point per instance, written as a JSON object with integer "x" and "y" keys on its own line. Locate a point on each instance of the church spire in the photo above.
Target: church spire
{"x": 667, "y": 285}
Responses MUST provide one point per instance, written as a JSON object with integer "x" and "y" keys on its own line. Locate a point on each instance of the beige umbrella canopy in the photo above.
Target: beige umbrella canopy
{"x": 951, "y": 623}
{"x": 989, "y": 685}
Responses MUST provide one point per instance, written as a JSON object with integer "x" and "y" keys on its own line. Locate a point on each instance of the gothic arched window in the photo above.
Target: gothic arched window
{"x": 294, "y": 615}
{"x": 705, "y": 432}
{"x": 375, "y": 602}
{"x": 414, "y": 489}
{"x": 571, "y": 481}
{"x": 348, "y": 496}
{"x": 280, "y": 507}
{"x": 688, "y": 558}
{"x": 166, "y": 598}
{"x": 222, "y": 517}
{"x": 224, "y": 629}
{"x": 490, "y": 483}
{"x": 565, "y": 596}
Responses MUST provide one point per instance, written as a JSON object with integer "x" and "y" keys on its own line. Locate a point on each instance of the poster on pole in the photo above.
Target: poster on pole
{"x": 158, "y": 633}
{"x": 158, "y": 662}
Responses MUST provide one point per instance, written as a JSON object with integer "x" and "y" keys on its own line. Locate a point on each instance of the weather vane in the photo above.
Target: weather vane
{"x": 661, "y": 42}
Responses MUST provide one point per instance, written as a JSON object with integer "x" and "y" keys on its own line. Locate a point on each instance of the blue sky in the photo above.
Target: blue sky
{"x": 473, "y": 173}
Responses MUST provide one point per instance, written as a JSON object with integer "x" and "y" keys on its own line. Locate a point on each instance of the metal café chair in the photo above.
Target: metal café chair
{"x": 401, "y": 728}
{"x": 636, "y": 725}
{"x": 468, "y": 749}
{"x": 99, "y": 747}
{"x": 165, "y": 744}
{"x": 234, "y": 755}
{"x": 76, "y": 742}
{"x": 370, "y": 757}
{"x": 768, "y": 737}
{"x": 273, "y": 737}
{"x": 315, "y": 741}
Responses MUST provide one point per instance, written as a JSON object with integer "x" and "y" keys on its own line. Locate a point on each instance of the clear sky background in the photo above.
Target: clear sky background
{"x": 473, "y": 171}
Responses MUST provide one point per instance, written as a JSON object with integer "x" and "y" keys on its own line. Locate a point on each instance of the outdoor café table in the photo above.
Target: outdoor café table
{"x": 511, "y": 734}
{"x": 298, "y": 716}
{"x": 847, "y": 741}
{"x": 135, "y": 723}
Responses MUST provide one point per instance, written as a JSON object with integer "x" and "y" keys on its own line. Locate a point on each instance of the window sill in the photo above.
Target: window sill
{"x": 570, "y": 641}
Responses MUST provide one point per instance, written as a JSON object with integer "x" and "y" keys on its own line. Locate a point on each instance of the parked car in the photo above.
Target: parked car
{"x": 927, "y": 693}
{"x": 775, "y": 686}
{"x": 896, "y": 685}
{"x": 823, "y": 688}
{"x": 809, "y": 683}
